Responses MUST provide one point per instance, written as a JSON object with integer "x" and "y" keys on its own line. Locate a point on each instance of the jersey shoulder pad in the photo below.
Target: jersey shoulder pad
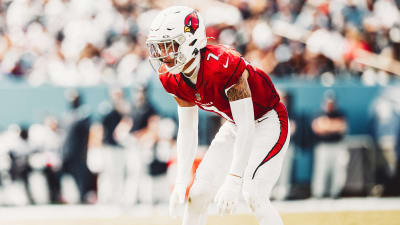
{"x": 227, "y": 63}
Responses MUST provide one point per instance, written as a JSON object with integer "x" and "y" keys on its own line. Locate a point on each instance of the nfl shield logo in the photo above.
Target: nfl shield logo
{"x": 198, "y": 97}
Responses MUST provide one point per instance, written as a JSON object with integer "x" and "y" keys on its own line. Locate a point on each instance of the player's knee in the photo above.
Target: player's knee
{"x": 200, "y": 196}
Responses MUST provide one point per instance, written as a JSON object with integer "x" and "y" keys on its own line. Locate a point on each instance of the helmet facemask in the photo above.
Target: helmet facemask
{"x": 167, "y": 51}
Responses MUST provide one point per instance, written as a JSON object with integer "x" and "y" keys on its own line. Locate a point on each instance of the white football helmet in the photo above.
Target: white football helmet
{"x": 178, "y": 34}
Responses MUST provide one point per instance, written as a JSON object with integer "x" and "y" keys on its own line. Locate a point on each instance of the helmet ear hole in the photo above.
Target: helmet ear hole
{"x": 193, "y": 42}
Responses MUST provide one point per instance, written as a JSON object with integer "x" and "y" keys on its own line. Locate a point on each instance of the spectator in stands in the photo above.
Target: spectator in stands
{"x": 354, "y": 14}
{"x": 331, "y": 154}
{"x": 102, "y": 41}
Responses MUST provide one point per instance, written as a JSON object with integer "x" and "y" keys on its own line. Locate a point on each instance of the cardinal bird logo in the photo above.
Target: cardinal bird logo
{"x": 191, "y": 22}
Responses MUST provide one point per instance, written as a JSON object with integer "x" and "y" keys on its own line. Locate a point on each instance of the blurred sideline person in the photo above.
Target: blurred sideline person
{"x": 157, "y": 142}
{"x": 75, "y": 145}
{"x": 19, "y": 153}
{"x": 246, "y": 155}
{"x": 46, "y": 139}
{"x": 141, "y": 111}
{"x": 330, "y": 155}
{"x": 112, "y": 177}
{"x": 134, "y": 162}
{"x": 386, "y": 125}
{"x": 147, "y": 156}
{"x": 137, "y": 132}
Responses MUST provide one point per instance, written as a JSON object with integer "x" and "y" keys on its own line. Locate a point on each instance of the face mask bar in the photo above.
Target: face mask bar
{"x": 161, "y": 50}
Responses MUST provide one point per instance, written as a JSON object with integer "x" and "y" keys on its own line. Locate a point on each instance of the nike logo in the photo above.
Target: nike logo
{"x": 258, "y": 121}
{"x": 170, "y": 28}
{"x": 226, "y": 64}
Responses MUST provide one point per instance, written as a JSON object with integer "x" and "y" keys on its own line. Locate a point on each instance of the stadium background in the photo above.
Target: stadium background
{"x": 72, "y": 70}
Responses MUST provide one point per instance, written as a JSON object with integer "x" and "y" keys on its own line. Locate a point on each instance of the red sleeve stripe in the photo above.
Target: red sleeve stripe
{"x": 283, "y": 119}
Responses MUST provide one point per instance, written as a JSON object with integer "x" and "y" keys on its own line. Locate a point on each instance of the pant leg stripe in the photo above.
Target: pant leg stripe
{"x": 283, "y": 120}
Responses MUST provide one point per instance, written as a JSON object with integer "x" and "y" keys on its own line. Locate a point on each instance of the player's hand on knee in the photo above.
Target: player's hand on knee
{"x": 227, "y": 196}
{"x": 177, "y": 198}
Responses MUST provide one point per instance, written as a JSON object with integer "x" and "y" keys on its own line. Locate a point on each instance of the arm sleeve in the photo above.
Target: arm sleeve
{"x": 187, "y": 141}
{"x": 243, "y": 114}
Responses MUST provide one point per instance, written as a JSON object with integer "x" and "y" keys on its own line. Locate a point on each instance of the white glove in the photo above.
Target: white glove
{"x": 228, "y": 194}
{"x": 177, "y": 197}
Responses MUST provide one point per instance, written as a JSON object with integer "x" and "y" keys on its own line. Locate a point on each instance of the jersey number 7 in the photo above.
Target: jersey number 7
{"x": 212, "y": 56}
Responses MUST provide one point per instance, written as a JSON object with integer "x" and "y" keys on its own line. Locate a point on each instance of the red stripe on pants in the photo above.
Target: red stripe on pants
{"x": 283, "y": 120}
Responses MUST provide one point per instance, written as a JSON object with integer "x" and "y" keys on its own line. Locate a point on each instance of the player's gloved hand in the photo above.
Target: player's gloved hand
{"x": 177, "y": 197}
{"x": 227, "y": 196}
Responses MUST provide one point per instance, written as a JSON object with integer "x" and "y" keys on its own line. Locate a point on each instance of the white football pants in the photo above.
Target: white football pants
{"x": 270, "y": 144}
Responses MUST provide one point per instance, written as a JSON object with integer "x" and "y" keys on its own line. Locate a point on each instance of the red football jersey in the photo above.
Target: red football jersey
{"x": 220, "y": 68}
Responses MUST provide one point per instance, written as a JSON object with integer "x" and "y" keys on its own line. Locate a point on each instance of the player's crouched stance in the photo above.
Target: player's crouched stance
{"x": 246, "y": 154}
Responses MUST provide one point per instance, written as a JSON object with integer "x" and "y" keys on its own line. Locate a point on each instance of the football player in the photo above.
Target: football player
{"x": 246, "y": 155}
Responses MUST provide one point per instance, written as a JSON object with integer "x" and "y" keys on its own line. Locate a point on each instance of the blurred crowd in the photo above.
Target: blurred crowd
{"x": 91, "y": 42}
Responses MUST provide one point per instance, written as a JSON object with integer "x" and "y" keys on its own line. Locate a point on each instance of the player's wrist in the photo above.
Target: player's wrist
{"x": 233, "y": 180}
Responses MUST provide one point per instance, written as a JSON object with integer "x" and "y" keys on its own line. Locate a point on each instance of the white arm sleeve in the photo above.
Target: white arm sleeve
{"x": 243, "y": 115}
{"x": 186, "y": 142}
